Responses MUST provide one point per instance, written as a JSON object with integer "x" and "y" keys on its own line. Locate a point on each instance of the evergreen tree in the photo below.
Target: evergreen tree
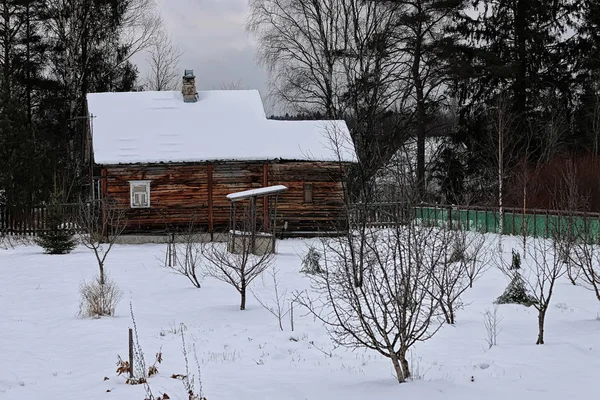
{"x": 519, "y": 49}
{"x": 587, "y": 57}
{"x": 58, "y": 238}
{"x": 516, "y": 293}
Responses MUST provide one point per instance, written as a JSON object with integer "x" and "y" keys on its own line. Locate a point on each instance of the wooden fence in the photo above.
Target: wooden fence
{"x": 29, "y": 221}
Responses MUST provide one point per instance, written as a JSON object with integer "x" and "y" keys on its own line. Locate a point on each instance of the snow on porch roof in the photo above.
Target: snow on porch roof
{"x": 263, "y": 191}
{"x": 147, "y": 127}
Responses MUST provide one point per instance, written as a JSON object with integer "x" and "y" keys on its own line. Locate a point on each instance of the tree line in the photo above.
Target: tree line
{"x": 52, "y": 53}
{"x": 510, "y": 83}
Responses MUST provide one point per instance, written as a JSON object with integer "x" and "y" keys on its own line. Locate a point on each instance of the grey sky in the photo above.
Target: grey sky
{"x": 212, "y": 35}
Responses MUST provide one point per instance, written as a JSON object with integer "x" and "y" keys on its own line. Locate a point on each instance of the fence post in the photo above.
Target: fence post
{"x": 131, "y": 353}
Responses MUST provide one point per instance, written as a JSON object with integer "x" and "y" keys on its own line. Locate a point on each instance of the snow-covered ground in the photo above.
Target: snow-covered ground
{"x": 47, "y": 352}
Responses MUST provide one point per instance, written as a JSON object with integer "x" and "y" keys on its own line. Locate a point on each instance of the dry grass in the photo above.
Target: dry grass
{"x": 99, "y": 299}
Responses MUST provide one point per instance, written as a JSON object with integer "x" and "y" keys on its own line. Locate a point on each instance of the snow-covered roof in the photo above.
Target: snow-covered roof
{"x": 263, "y": 191}
{"x": 146, "y": 127}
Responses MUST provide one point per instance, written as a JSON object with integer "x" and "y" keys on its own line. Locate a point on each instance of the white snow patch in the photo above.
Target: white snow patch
{"x": 48, "y": 353}
{"x": 256, "y": 192}
{"x": 146, "y": 127}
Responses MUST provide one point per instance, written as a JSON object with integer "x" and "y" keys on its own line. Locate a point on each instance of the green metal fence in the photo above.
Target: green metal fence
{"x": 538, "y": 223}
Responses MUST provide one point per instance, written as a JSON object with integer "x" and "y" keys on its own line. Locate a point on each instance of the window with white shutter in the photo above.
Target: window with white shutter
{"x": 139, "y": 192}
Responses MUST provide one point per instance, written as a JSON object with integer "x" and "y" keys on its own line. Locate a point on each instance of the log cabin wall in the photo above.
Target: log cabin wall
{"x": 182, "y": 192}
{"x": 325, "y": 210}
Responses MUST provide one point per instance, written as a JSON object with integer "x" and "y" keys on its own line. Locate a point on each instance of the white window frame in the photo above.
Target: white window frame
{"x": 132, "y": 184}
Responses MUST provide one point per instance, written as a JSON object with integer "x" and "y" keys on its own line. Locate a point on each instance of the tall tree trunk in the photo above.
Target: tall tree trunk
{"x": 421, "y": 110}
{"x": 421, "y": 121}
{"x": 6, "y": 84}
{"x": 521, "y": 83}
{"x": 28, "y": 66}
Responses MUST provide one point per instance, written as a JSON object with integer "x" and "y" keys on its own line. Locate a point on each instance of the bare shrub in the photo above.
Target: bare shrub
{"x": 460, "y": 267}
{"x": 491, "y": 322}
{"x": 238, "y": 269}
{"x": 280, "y": 306}
{"x": 99, "y": 298}
{"x": 186, "y": 257}
{"x": 188, "y": 380}
{"x": 11, "y": 241}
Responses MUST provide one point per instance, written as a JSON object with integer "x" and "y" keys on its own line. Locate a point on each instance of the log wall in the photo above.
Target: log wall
{"x": 182, "y": 192}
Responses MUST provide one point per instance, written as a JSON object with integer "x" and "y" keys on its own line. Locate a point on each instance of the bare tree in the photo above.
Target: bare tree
{"x": 340, "y": 58}
{"x": 460, "y": 267}
{"x": 595, "y": 123}
{"x": 544, "y": 269}
{"x": 185, "y": 256}
{"x": 76, "y": 25}
{"x": 103, "y": 221}
{"x": 237, "y": 269}
{"x": 569, "y": 231}
{"x": 140, "y": 27}
{"x": 585, "y": 256}
{"x": 491, "y": 322}
{"x": 163, "y": 61}
{"x": 280, "y": 306}
{"x": 393, "y": 308}
{"x": 423, "y": 35}
{"x": 233, "y": 85}
{"x": 501, "y": 138}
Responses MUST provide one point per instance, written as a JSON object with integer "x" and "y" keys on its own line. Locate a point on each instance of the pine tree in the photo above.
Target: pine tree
{"x": 516, "y": 293}
{"x": 587, "y": 57}
{"x": 59, "y": 236}
{"x": 517, "y": 49}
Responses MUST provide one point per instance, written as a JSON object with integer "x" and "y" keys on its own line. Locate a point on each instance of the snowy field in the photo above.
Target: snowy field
{"x": 47, "y": 352}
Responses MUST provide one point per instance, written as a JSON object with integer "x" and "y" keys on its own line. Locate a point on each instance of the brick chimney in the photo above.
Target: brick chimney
{"x": 188, "y": 88}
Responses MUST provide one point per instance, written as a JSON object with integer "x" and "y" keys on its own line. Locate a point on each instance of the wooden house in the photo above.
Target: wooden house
{"x": 172, "y": 157}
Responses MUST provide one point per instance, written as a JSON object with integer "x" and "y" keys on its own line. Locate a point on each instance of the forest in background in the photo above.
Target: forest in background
{"x": 513, "y": 87}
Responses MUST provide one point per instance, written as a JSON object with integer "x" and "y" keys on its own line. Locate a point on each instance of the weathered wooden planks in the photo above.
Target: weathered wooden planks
{"x": 182, "y": 192}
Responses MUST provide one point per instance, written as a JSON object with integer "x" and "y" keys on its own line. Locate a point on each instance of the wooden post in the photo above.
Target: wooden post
{"x": 103, "y": 197}
{"x": 131, "y": 353}
{"x": 266, "y": 198}
{"x": 252, "y": 224}
{"x": 210, "y": 202}
{"x": 292, "y": 315}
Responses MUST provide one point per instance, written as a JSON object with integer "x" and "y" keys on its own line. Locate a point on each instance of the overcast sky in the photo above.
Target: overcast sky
{"x": 212, "y": 35}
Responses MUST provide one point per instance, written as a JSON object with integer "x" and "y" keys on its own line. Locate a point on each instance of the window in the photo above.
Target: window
{"x": 139, "y": 192}
{"x": 308, "y": 193}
